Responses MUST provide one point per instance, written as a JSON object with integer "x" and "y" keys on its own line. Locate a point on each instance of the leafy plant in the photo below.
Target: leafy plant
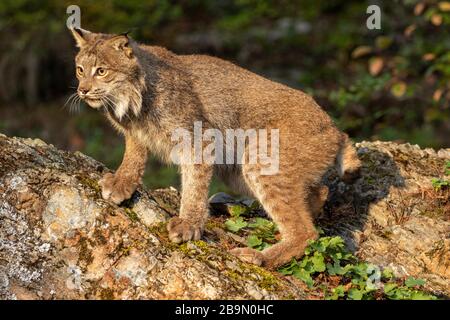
{"x": 327, "y": 257}
{"x": 238, "y": 210}
{"x": 326, "y": 253}
{"x": 235, "y": 224}
{"x": 439, "y": 184}
{"x": 260, "y": 232}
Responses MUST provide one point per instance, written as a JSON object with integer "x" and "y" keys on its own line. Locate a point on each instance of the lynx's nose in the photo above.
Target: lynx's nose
{"x": 83, "y": 91}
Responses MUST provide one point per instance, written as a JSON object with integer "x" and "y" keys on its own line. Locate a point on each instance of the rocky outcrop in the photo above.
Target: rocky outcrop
{"x": 60, "y": 240}
{"x": 393, "y": 216}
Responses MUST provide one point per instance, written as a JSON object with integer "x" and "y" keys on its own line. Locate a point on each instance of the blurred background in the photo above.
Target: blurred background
{"x": 388, "y": 84}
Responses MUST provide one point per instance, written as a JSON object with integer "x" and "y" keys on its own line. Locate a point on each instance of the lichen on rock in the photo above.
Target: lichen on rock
{"x": 60, "y": 240}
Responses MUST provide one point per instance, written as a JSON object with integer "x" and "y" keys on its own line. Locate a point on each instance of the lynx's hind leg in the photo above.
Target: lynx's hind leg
{"x": 285, "y": 200}
{"x": 318, "y": 195}
{"x": 287, "y": 195}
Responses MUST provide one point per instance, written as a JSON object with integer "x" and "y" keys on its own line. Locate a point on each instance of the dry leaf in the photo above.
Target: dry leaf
{"x": 361, "y": 51}
{"x": 376, "y": 65}
{"x": 444, "y": 6}
{"x": 428, "y": 57}
{"x": 409, "y": 30}
{"x": 437, "y": 95}
{"x": 399, "y": 89}
{"x": 418, "y": 9}
{"x": 436, "y": 19}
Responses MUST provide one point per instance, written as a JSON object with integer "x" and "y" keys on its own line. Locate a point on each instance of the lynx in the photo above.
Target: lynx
{"x": 147, "y": 92}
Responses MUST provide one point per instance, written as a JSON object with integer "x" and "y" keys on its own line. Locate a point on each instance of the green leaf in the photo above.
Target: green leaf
{"x": 334, "y": 269}
{"x": 254, "y": 241}
{"x": 337, "y": 292}
{"x": 417, "y": 295}
{"x": 318, "y": 262}
{"x": 289, "y": 269}
{"x": 238, "y": 210}
{"x": 234, "y": 225}
{"x": 261, "y": 223}
{"x": 412, "y": 282}
{"x": 387, "y": 274}
{"x": 348, "y": 268}
{"x": 388, "y": 287}
{"x": 264, "y": 245}
{"x": 355, "y": 294}
{"x": 304, "y": 276}
{"x": 439, "y": 183}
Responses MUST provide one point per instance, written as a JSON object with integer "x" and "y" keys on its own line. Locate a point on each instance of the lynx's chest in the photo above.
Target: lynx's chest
{"x": 157, "y": 142}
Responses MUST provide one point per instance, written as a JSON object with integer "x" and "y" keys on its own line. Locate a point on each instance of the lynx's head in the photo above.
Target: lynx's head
{"x": 108, "y": 72}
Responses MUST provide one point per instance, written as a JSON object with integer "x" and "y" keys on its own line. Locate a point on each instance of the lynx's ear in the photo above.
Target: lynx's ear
{"x": 122, "y": 43}
{"x": 80, "y": 36}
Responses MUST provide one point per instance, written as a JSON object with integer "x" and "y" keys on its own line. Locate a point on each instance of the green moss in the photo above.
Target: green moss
{"x": 91, "y": 184}
{"x": 199, "y": 250}
{"x": 125, "y": 251}
{"x": 211, "y": 224}
{"x": 263, "y": 278}
{"x": 160, "y": 231}
{"x": 131, "y": 214}
{"x": 267, "y": 280}
{"x": 206, "y": 253}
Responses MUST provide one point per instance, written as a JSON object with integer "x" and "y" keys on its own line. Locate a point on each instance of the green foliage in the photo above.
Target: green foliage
{"x": 238, "y": 210}
{"x": 235, "y": 224}
{"x": 412, "y": 282}
{"x": 395, "y": 292}
{"x": 439, "y": 184}
{"x": 325, "y": 254}
{"x": 357, "y": 280}
{"x": 260, "y": 232}
{"x": 328, "y": 258}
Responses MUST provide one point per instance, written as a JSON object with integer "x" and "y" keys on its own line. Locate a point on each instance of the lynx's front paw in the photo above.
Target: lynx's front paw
{"x": 116, "y": 188}
{"x": 248, "y": 255}
{"x": 182, "y": 230}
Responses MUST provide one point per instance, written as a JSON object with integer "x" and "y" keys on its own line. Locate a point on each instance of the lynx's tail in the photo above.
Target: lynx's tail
{"x": 348, "y": 163}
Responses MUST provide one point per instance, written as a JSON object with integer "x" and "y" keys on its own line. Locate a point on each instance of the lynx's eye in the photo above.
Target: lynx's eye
{"x": 101, "y": 72}
{"x": 80, "y": 71}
